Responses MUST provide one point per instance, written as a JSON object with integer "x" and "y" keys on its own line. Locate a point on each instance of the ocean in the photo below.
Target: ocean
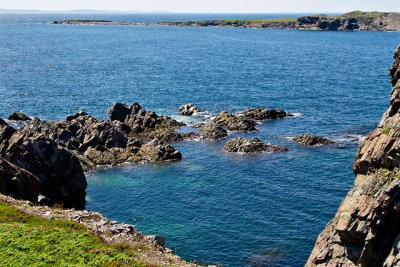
{"x": 238, "y": 210}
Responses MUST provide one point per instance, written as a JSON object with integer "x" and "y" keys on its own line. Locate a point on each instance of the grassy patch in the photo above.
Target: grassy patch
{"x": 358, "y": 13}
{"x": 33, "y": 241}
{"x": 387, "y": 130}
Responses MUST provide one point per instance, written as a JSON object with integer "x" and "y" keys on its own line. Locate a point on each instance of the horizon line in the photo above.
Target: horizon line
{"x": 4, "y": 10}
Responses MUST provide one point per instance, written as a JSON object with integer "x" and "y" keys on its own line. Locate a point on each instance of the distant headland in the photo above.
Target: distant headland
{"x": 352, "y": 21}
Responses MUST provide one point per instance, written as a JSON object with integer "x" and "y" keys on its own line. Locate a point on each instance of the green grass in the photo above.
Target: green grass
{"x": 33, "y": 241}
{"x": 359, "y": 13}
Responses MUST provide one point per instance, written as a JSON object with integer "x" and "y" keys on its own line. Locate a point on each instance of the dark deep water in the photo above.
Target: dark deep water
{"x": 265, "y": 209}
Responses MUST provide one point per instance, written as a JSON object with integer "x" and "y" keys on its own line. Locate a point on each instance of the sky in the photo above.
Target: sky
{"x": 208, "y": 6}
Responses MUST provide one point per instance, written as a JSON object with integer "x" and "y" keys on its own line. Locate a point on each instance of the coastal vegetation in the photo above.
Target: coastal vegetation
{"x": 26, "y": 240}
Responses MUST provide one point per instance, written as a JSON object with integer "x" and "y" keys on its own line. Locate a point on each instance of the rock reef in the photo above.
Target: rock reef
{"x": 309, "y": 139}
{"x": 366, "y": 227}
{"x": 244, "y": 145}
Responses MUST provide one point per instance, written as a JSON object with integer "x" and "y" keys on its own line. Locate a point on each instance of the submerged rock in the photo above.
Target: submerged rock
{"x": 19, "y": 116}
{"x": 309, "y": 139}
{"x": 17, "y": 182}
{"x": 261, "y": 114}
{"x": 212, "y": 131}
{"x": 138, "y": 121}
{"x": 235, "y": 122}
{"x": 189, "y": 109}
{"x": 245, "y": 145}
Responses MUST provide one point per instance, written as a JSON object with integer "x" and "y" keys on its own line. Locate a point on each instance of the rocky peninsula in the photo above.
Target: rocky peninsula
{"x": 352, "y": 21}
{"x": 366, "y": 227}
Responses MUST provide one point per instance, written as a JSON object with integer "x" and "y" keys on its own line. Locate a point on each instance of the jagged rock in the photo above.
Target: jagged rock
{"x": 245, "y": 145}
{"x": 189, "y": 109}
{"x": 172, "y": 136}
{"x": 261, "y": 114}
{"x": 6, "y": 132}
{"x": 309, "y": 139}
{"x": 159, "y": 151}
{"x": 60, "y": 173}
{"x": 17, "y": 182}
{"x": 365, "y": 230}
{"x": 94, "y": 142}
{"x": 19, "y": 116}
{"x": 235, "y": 122}
{"x": 212, "y": 131}
{"x": 140, "y": 121}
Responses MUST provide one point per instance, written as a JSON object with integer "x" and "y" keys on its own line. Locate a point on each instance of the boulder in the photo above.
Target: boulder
{"x": 309, "y": 139}
{"x": 212, "y": 131}
{"x": 244, "y": 145}
{"x": 139, "y": 121}
{"x": 17, "y": 182}
{"x": 19, "y": 116}
{"x": 261, "y": 114}
{"x": 235, "y": 122}
{"x": 159, "y": 151}
{"x": 189, "y": 109}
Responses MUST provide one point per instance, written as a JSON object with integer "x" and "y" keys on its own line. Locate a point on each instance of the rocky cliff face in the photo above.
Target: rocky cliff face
{"x": 366, "y": 227}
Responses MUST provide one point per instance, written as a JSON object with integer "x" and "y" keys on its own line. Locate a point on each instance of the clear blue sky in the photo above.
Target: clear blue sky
{"x": 203, "y": 6}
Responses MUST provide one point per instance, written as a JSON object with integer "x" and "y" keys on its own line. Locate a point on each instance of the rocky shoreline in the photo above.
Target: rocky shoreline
{"x": 45, "y": 161}
{"x": 352, "y": 21}
{"x": 111, "y": 232}
{"x": 366, "y": 227}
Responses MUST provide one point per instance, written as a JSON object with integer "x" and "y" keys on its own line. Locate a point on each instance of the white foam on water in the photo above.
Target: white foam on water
{"x": 296, "y": 114}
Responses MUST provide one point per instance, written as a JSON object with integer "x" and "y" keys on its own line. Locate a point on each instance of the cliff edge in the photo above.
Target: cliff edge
{"x": 366, "y": 227}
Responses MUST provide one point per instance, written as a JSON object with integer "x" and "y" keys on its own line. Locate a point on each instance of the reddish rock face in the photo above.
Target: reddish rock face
{"x": 366, "y": 228}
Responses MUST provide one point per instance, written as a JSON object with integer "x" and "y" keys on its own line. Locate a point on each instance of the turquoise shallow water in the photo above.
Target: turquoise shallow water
{"x": 255, "y": 210}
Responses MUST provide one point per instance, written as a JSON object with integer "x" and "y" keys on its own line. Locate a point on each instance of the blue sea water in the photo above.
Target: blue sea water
{"x": 239, "y": 210}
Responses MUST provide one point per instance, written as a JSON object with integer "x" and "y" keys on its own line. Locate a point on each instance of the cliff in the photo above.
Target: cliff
{"x": 353, "y": 21}
{"x": 366, "y": 227}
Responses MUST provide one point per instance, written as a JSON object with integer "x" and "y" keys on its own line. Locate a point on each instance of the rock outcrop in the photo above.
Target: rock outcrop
{"x": 212, "y": 131}
{"x": 93, "y": 141}
{"x": 17, "y": 182}
{"x": 366, "y": 227}
{"x": 244, "y": 145}
{"x": 18, "y": 116}
{"x": 261, "y": 114}
{"x": 62, "y": 178}
{"x": 189, "y": 109}
{"x": 235, "y": 122}
{"x": 136, "y": 121}
{"x": 309, "y": 139}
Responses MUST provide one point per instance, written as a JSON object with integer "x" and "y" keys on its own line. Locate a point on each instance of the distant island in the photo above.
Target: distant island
{"x": 352, "y": 21}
